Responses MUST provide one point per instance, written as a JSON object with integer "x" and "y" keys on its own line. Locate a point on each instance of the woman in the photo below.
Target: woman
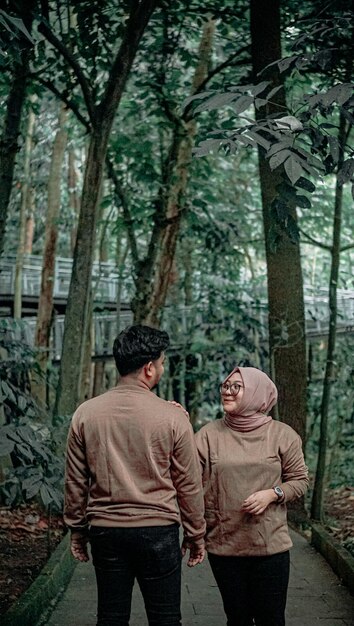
{"x": 252, "y": 465}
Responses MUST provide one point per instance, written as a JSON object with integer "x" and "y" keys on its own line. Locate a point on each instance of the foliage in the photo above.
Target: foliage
{"x": 340, "y": 431}
{"x": 12, "y": 29}
{"x": 303, "y": 142}
{"x": 35, "y": 470}
{"x": 220, "y": 264}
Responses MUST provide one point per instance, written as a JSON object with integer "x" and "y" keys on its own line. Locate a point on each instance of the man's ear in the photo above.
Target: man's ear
{"x": 148, "y": 369}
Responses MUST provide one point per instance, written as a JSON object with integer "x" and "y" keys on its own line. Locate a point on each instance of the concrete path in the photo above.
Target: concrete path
{"x": 315, "y": 596}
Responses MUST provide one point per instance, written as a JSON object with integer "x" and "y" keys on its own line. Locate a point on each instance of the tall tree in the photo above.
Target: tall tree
{"x": 45, "y": 304}
{"x": 101, "y": 116}
{"x": 23, "y": 213}
{"x": 154, "y": 272}
{"x": 284, "y": 276}
{"x": 20, "y": 52}
{"x": 321, "y": 470}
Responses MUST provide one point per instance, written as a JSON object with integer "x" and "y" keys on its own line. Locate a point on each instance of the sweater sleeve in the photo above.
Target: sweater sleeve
{"x": 294, "y": 471}
{"x": 186, "y": 478}
{"x": 76, "y": 480}
{"x": 203, "y": 450}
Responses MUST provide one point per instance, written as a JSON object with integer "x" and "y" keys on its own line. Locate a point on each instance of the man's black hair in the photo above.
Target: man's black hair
{"x": 137, "y": 345}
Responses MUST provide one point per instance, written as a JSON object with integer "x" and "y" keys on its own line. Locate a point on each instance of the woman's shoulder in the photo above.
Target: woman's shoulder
{"x": 282, "y": 429}
{"x": 210, "y": 427}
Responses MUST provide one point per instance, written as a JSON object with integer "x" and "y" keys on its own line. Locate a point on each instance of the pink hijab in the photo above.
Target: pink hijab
{"x": 259, "y": 396}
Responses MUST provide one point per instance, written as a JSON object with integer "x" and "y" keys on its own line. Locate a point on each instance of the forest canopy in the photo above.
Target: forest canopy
{"x": 185, "y": 165}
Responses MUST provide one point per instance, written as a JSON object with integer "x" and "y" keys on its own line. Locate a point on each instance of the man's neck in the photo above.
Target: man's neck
{"x": 134, "y": 379}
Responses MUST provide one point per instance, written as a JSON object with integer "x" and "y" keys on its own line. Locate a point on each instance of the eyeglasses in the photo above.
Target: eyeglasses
{"x": 233, "y": 388}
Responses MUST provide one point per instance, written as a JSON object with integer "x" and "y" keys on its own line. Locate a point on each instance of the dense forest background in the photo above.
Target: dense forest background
{"x": 187, "y": 165}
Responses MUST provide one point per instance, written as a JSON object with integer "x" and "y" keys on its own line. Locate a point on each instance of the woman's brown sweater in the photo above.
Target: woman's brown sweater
{"x": 237, "y": 464}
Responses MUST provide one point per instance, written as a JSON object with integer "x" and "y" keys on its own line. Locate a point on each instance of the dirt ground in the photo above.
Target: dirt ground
{"x": 24, "y": 540}
{"x": 25, "y": 544}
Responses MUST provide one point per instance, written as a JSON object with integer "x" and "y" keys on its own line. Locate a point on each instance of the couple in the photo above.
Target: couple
{"x": 134, "y": 471}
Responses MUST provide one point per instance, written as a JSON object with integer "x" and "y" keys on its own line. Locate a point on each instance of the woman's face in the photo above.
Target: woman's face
{"x": 232, "y": 393}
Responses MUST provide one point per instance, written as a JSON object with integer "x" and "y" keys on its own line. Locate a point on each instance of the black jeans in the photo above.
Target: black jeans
{"x": 152, "y": 555}
{"x": 253, "y": 589}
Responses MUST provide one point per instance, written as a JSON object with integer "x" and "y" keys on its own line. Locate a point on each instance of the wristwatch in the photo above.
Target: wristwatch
{"x": 279, "y": 492}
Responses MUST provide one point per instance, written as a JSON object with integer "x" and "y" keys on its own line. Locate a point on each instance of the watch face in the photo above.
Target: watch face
{"x": 279, "y": 492}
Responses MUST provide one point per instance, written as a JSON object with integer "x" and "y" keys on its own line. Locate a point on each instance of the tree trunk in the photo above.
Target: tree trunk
{"x": 14, "y": 106}
{"x": 287, "y": 345}
{"x": 45, "y": 304}
{"x": 74, "y": 201}
{"x": 87, "y": 365}
{"x": 76, "y": 319}
{"x": 151, "y": 295}
{"x": 25, "y": 202}
{"x": 321, "y": 469}
{"x": 30, "y": 222}
{"x": 98, "y": 382}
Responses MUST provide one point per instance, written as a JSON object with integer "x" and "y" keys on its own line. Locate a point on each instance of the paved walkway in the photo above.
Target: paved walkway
{"x": 315, "y": 596}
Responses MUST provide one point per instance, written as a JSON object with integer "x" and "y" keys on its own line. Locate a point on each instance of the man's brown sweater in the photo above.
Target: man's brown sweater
{"x": 132, "y": 461}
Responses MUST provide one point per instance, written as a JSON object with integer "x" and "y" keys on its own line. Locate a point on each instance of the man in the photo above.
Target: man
{"x": 132, "y": 474}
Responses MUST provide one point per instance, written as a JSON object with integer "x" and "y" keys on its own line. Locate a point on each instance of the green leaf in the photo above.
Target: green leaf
{"x": 274, "y": 91}
{"x": 198, "y": 96}
{"x": 305, "y": 183}
{"x": 25, "y": 451}
{"x": 279, "y": 145}
{"x": 284, "y": 64}
{"x": 217, "y": 101}
{"x": 346, "y": 173}
{"x": 292, "y": 230}
{"x": 262, "y": 141}
{"x": 342, "y": 93}
{"x": 242, "y": 103}
{"x": 17, "y": 23}
{"x": 206, "y": 146}
{"x": 278, "y": 158}
{"x": 45, "y": 495}
{"x": 255, "y": 91}
{"x": 289, "y": 122}
{"x": 6, "y": 446}
{"x": 293, "y": 169}
{"x": 282, "y": 210}
{"x": 7, "y": 391}
{"x": 303, "y": 202}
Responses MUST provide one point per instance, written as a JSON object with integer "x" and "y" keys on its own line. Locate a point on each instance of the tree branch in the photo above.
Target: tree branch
{"x": 319, "y": 244}
{"x": 140, "y": 14}
{"x": 70, "y": 105}
{"x": 122, "y": 198}
{"x": 75, "y": 66}
{"x": 347, "y": 247}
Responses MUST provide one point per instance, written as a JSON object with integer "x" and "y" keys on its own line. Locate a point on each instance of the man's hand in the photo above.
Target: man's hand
{"x": 257, "y": 502}
{"x": 78, "y": 546}
{"x": 196, "y": 553}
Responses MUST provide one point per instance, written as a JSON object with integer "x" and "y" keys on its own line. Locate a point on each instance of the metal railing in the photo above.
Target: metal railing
{"x": 105, "y": 278}
{"x": 180, "y": 321}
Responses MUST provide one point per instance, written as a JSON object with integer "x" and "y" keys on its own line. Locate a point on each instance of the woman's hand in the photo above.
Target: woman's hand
{"x": 180, "y": 407}
{"x": 196, "y": 552}
{"x": 257, "y": 502}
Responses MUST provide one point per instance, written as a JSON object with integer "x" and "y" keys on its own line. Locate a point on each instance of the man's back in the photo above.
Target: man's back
{"x": 137, "y": 449}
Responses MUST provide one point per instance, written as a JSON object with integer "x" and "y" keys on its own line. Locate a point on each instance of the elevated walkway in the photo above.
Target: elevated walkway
{"x": 113, "y": 293}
